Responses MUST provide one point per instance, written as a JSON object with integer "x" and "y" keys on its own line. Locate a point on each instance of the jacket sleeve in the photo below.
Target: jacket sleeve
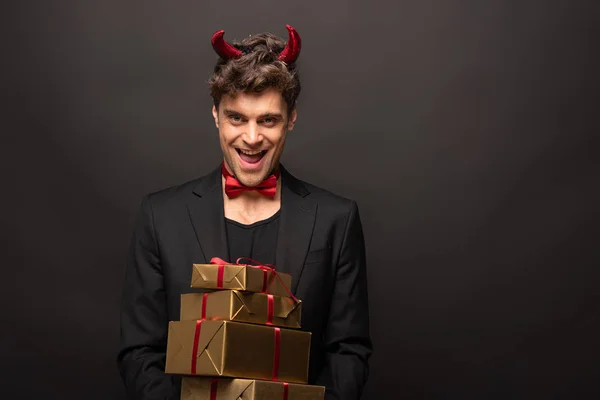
{"x": 347, "y": 339}
{"x": 144, "y": 319}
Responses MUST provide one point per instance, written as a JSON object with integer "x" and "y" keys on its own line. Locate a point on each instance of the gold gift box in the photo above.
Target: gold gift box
{"x": 240, "y": 277}
{"x": 238, "y": 350}
{"x": 234, "y": 305}
{"x": 198, "y": 388}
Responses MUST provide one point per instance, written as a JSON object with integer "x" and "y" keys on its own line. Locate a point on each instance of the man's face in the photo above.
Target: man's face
{"x": 252, "y": 130}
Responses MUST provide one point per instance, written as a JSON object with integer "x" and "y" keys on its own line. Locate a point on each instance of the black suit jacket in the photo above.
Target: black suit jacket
{"x": 320, "y": 244}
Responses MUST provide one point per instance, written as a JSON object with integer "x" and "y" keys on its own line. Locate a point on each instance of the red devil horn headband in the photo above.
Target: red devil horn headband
{"x": 287, "y": 55}
{"x": 292, "y": 48}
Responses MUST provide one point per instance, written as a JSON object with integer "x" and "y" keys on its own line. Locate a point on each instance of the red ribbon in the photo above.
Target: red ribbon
{"x": 268, "y": 268}
{"x": 197, "y": 333}
{"x": 220, "y": 274}
{"x": 204, "y": 301}
{"x": 213, "y": 389}
{"x": 277, "y": 332}
{"x": 285, "y": 391}
{"x": 264, "y": 286}
{"x": 195, "y": 347}
{"x": 270, "y": 309}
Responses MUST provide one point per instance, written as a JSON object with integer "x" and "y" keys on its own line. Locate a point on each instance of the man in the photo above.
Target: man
{"x": 250, "y": 206}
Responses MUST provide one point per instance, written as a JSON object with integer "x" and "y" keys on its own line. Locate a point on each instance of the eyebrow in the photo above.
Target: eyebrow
{"x": 229, "y": 112}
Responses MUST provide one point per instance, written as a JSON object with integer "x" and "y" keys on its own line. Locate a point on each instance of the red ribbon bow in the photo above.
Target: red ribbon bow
{"x": 268, "y": 269}
{"x": 234, "y": 187}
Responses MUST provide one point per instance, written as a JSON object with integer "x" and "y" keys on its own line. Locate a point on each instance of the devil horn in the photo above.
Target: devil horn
{"x": 222, "y": 48}
{"x": 292, "y": 48}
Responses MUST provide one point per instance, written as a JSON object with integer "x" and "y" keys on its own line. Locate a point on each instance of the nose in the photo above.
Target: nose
{"x": 253, "y": 136}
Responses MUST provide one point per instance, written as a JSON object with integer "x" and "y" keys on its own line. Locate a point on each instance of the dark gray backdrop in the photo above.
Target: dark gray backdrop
{"x": 464, "y": 129}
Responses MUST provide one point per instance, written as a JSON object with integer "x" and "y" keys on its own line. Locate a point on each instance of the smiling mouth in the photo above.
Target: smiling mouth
{"x": 251, "y": 156}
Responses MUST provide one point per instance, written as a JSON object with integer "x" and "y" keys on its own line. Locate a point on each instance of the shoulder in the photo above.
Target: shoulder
{"x": 328, "y": 201}
{"x": 341, "y": 209}
{"x": 327, "y": 197}
{"x": 181, "y": 193}
{"x": 173, "y": 192}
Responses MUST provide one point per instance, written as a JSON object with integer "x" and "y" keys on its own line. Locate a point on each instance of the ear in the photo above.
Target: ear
{"x": 292, "y": 119}
{"x": 215, "y": 114}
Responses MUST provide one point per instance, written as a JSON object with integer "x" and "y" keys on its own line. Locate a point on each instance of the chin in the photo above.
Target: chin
{"x": 253, "y": 178}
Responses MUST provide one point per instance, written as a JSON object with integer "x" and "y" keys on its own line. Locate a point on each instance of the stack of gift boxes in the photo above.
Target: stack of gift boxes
{"x": 240, "y": 339}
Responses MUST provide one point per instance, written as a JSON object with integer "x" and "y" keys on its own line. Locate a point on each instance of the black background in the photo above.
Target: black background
{"x": 466, "y": 131}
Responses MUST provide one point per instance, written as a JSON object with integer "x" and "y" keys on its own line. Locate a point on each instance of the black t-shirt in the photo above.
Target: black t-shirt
{"x": 257, "y": 241}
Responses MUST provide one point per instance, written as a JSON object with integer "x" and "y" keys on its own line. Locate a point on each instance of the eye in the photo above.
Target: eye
{"x": 269, "y": 121}
{"x": 236, "y": 119}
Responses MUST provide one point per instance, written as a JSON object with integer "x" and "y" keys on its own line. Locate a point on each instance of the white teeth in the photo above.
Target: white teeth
{"x": 250, "y": 153}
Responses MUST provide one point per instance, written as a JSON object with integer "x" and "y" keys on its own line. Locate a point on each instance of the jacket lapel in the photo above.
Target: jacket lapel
{"x": 298, "y": 214}
{"x": 208, "y": 218}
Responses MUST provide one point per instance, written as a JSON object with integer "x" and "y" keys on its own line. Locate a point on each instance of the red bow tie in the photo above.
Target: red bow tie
{"x": 234, "y": 188}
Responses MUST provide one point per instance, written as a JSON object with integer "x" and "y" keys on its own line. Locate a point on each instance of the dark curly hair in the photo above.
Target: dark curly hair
{"x": 256, "y": 70}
